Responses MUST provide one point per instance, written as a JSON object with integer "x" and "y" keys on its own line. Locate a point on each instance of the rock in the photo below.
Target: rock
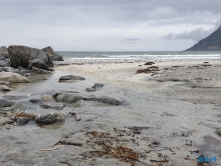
{"x": 37, "y": 63}
{"x": 21, "y": 55}
{"x": 21, "y": 72}
{"x": 40, "y": 71}
{"x": 77, "y": 117}
{"x": 5, "y": 103}
{"x": 70, "y": 77}
{"x": 98, "y": 85}
{"x": 54, "y": 57}
{"x": 26, "y": 114}
{"x": 56, "y": 106}
{"x": 48, "y": 50}
{"x": 49, "y": 118}
{"x": 4, "y": 88}
{"x": 2, "y": 69}
{"x": 4, "y": 52}
{"x": 13, "y": 77}
{"x": 4, "y": 63}
{"x": 149, "y": 63}
{"x": 35, "y": 100}
{"x": 18, "y": 106}
{"x": 73, "y": 97}
{"x": 46, "y": 98}
{"x": 218, "y": 131}
{"x": 57, "y": 57}
{"x": 91, "y": 89}
{"x": 22, "y": 121}
{"x": 80, "y": 102}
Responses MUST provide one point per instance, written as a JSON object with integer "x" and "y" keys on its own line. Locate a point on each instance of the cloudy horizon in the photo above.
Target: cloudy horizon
{"x": 108, "y": 25}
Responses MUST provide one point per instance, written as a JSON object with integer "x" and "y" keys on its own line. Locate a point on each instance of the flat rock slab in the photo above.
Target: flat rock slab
{"x": 56, "y": 106}
{"x": 73, "y": 97}
{"x": 13, "y": 77}
{"x": 4, "y": 88}
{"x": 71, "y": 77}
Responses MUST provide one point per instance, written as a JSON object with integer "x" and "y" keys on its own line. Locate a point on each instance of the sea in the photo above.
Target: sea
{"x": 140, "y": 55}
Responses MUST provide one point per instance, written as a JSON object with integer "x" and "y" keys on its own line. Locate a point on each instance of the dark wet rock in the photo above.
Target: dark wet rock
{"x": 4, "y": 63}
{"x": 18, "y": 106}
{"x": 21, "y": 55}
{"x": 73, "y": 97}
{"x": 98, "y": 85}
{"x": 149, "y": 63}
{"x": 40, "y": 71}
{"x": 5, "y": 103}
{"x": 22, "y": 121}
{"x": 50, "y": 118}
{"x": 218, "y": 131}
{"x": 91, "y": 89}
{"x": 4, "y": 88}
{"x": 56, "y": 106}
{"x": 35, "y": 100}
{"x": 4, "y": 52}
{"x": 13, "y": 77}
{"x": 37, "y": 63}
{"x": 71, "y": 77}
{"x": 54, "y": 57}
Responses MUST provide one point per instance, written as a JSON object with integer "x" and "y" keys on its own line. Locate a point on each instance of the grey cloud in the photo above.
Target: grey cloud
{"x": 132, "y": 39}
{"x": 195, "y": 35}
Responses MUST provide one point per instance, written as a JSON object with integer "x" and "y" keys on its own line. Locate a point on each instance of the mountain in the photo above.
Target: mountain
{"x": 210, "y": 43}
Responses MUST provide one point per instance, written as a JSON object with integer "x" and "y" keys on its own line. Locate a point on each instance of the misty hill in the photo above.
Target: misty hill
{"x": 210, "y": 43}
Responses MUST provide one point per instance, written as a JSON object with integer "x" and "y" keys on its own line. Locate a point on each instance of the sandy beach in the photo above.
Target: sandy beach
{"x": 170, "y": 115}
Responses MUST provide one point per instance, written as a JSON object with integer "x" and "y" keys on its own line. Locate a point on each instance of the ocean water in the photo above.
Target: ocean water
{"x": 154, "y": 55}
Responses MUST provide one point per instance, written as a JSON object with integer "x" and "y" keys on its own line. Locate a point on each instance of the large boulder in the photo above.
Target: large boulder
{"x": 21, "y": 55}
{"x": 4, "y": 52}
{"x": 54, "y": 57}
{"x": 13, "y": 77}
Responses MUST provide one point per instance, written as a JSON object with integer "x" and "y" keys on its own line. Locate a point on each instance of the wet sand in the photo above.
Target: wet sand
{"x": 169, "y": 118}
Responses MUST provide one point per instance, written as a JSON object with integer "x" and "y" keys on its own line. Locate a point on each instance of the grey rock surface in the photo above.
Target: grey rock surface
{"x": 21, "y": 55}
{"x": 56, "y": 106}
{"x": 4, "y": 52}
{"x": 40, "y": 71}
{"x": 54, "y": 57}
{"x": 22, "y": 121}
{"x": 98, "y": 85}
{"x": 73, "y": 97}
{"x": 5, "y": 103}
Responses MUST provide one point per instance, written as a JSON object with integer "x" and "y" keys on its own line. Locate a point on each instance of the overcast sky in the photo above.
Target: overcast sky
{"x": 108, "y": 25}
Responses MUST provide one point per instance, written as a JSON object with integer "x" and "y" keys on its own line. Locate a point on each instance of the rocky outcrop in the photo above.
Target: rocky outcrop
{"x": 54, "y": 57}
{"x": 56, "y": 106}
{"x": 40, "y": 71}
{"x": 4, "y": 52}
{"x": 73, "y": 97}
{"x": 210, "y": 43}
{"x": 21, "y": 55}
{"x": 13, "y": 77}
